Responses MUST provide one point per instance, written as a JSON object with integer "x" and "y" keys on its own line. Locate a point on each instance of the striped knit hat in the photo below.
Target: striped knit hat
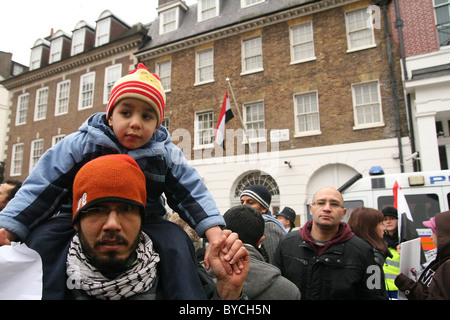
{"x": 115, "y": 177}
{"x": 139, "y": 84}
{"x": 259, "y": 193}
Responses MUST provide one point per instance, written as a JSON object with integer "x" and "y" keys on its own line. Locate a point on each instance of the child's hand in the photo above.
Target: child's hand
{"x": 4, "y": 239}
{"x": 229, "y": 285}
{"x": 231, "y": 249}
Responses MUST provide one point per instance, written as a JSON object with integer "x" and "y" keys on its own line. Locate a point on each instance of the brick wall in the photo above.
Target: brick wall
{"x": 331, "y": 74}
{"x": 419, "y": 29}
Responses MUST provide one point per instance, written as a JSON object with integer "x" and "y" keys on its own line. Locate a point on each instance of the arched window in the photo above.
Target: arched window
{"x": 262, "y": 178}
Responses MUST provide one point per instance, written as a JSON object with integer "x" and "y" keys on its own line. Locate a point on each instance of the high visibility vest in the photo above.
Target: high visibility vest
{"x": 391, "y": 270}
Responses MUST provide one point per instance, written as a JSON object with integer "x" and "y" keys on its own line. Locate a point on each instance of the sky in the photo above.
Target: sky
{"x": 22, "y": 22}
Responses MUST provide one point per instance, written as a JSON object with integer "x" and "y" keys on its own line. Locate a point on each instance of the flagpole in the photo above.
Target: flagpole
{"x": 239, "y": 113}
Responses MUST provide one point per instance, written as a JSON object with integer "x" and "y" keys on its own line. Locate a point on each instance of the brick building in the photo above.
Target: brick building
{"x": 422, "y": 30}
{"x": 312, "y": 82}
{"x": 69, "y": 79}
{"x": 314, "y": 75}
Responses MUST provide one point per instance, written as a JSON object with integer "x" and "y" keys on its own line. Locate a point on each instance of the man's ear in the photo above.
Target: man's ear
{"x": 260, "y": 241}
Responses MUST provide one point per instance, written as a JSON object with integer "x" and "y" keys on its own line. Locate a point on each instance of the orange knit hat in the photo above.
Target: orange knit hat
{"x": 139, "y": 84}
{"x": 115, "y": 177}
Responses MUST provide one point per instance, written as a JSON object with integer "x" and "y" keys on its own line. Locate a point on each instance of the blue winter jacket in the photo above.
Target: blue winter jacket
{"x": 48, "y": 188}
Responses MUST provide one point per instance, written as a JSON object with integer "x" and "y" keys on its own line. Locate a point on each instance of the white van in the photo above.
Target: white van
{"x": 427, "y": 193}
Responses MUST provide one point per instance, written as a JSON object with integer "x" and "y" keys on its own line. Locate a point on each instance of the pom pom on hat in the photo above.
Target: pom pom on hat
{"x": 115, "y": 177}
{"x": 139, "y": 84}
{"x": 259, "y": 193}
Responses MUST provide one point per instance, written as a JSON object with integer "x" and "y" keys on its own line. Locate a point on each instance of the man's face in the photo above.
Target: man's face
{"x": 327, "y": 209}
{"x": 284, "y": 221}
{"x": 134, "y": 122}
{"x": 5, "y": 189}
{"x": 249, "y": 201}
{"x": 110, "y": 239}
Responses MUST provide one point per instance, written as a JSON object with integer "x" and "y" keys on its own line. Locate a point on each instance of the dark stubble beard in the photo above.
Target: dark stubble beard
{"x": 110, "y": 266}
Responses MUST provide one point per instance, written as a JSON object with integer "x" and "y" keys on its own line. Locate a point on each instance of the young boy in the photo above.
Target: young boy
{"x": 131, "y": 125}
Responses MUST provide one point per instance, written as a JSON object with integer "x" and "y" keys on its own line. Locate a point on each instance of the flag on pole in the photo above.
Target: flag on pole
{"x": 404, "y": 214}
{"x": 226, "y": 114}
{"x": 406, "y": 229}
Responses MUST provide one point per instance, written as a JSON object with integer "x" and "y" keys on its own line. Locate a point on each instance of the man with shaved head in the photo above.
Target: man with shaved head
{"x": 325, "y": 259}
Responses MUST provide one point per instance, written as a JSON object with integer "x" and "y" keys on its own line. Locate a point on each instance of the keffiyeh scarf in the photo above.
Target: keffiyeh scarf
{"x": 138, "y": 279}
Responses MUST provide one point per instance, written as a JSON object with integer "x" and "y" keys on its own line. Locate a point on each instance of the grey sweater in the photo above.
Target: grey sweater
{"x": 265, "y": 282}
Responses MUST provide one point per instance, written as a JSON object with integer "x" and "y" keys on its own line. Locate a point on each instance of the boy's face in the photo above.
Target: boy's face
{"x": 134, "y": 122}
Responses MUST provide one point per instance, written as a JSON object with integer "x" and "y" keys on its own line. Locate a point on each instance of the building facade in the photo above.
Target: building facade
{"x": 422, "y": 30}
{"x": 315, "y": 88}
{"x": 70, "y": 78}
{"x": 314, "y": 98}
{"x": 8, "y": 68}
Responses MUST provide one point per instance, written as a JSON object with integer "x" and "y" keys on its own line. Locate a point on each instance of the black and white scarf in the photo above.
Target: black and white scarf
{"x": 138, "y": 279}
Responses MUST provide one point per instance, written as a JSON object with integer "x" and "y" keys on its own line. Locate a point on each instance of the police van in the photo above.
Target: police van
{"x": 426, "y": 193}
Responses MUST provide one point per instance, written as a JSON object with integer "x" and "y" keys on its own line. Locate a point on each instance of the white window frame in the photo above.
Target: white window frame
{"x": 166, "y": 124}
{"x": 84, "y": 91}
{"x": 304, "y": 42}
{"x": 250, "y": 3}
{"x": 359, "y": 105}
{"x": 364, "y": 25}
{"x": 78, "y": 40}
{"x": 439, "y": 24}
{"x": 40, "y": 107}
{"x": 164, "y": 72}
{"x": 35, "y": 59}
{"x": 103, "y": 31}
{"x": 309, "y": 101}
{"x": 62, "y": 98}
{"x": 261, "y": 131}
{"x": 203, "y": 132}
{"x": 22, "y": 109}
{"x": 57, "y": 138}
{"x": 36, "y": 151}
{"x": 17, "y": 159}
{"x": 205, "y": 13}
{"x": 112, "y": 74}
{"x": 171, "y": 24}
{"x": 56, "y": 50}
{"x": 204, "y": 66}
{"x": 257, "y": 54}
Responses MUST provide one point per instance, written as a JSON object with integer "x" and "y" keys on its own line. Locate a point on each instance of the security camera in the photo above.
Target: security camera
{"x": 413, "y": 156}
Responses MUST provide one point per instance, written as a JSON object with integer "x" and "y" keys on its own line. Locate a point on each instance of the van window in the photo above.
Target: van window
{"x": 350, "y": 206}
{"x": 422, "y": 206}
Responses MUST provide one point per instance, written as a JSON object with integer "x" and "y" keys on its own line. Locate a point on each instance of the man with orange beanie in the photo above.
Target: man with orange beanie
{"x": 131, "y": 125}
{"x": 111, "y": 255}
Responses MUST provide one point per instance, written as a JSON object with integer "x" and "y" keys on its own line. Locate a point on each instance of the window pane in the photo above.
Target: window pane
{"x": 254, "y": 115}
{"x": 252, "y": 54}
{"x": 205, "y": 128}
{"x": 164, "y": 73}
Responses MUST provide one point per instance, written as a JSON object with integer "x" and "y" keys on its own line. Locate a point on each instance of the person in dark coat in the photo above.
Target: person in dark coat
{"x": 287, "y": 218}
{"x": 325, "y": 259}
{"x": 434, "y": 281}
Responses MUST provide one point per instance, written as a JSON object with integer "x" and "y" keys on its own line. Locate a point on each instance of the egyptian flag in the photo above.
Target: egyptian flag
{"x": 406, "y": 229}
{"x": 226, "y": 114}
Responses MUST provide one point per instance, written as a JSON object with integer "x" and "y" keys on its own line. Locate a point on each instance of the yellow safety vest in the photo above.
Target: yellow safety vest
{"x": 391, "y": 269}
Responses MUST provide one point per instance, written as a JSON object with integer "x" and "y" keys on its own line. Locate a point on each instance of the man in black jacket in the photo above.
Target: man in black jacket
{"x": 325, "y": 259}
